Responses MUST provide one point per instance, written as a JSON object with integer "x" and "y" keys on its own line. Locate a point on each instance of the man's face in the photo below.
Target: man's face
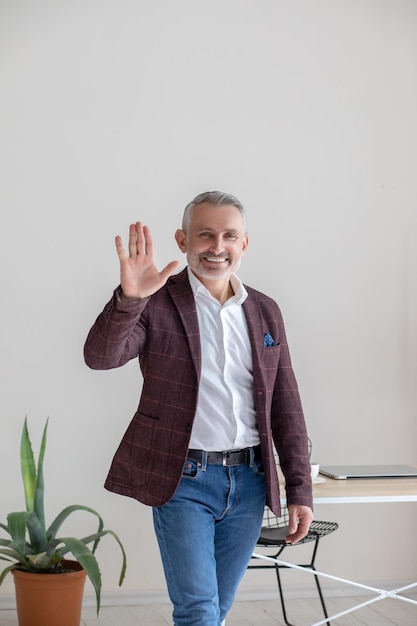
{"x": 215, "y": 241}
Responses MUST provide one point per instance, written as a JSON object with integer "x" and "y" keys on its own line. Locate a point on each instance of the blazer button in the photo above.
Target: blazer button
{"x": 189, "y": 428}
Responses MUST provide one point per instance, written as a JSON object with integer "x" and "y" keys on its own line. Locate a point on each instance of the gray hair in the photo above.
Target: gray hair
{"x": 218, "y": 198}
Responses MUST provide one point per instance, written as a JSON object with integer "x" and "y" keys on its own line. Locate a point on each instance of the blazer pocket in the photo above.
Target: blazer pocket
{"x": 142, "y": 417}
{"x": 275, "y": 348}
{"x": 271, "y": 354}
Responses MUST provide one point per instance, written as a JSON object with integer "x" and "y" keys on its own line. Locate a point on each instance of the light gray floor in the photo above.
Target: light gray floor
{"x": 387, "y": 612}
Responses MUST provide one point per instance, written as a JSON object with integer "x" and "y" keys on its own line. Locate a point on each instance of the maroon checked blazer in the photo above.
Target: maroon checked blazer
{"x": 163, "y": 332}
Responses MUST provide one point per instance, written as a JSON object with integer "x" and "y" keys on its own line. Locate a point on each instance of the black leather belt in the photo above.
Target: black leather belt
{"x": 226, "y": 457}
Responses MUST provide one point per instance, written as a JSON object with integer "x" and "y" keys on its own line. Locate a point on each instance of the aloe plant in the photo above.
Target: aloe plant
{"x": 32, "y": 546}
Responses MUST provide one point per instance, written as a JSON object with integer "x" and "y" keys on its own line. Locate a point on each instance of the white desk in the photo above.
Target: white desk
{"x": 354, "y": 491}
{"x": 361, "y": 490}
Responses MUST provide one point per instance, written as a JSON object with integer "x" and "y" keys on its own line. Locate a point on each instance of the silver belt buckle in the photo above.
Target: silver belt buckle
{"x": 224, "y": 454}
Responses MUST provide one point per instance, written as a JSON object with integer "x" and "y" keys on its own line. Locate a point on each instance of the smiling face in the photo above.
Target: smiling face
{"x": 215, "y": 242}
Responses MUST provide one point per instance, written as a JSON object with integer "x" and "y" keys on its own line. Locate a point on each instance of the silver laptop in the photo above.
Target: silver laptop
{"x": 342, "y": 472}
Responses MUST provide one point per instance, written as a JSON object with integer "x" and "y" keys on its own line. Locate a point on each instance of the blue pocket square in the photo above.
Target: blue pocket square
{"x": 268, "y": 341}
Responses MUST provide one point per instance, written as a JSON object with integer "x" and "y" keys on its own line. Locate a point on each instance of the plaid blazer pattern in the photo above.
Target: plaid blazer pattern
{"x": 162, "y": 331}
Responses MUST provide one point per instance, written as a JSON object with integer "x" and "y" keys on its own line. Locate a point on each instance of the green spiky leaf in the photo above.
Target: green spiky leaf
{"x": 28, "y": 467}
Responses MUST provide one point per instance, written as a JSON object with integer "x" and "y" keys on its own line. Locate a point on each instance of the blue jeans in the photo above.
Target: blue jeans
{"x": 206, "y": 535}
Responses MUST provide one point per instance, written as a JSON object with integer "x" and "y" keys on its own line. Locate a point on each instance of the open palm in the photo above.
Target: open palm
{"x": 139, "y": 277}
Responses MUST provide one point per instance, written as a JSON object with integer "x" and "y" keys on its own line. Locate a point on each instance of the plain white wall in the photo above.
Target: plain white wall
{"x": 113, "y": 111}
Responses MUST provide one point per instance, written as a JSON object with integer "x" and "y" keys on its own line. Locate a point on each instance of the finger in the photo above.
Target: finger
{"x": 292, "y": 539}
{"x": 303, "y": 527}
{"x": 133, "y": 239}
{"x": 301, "y": 530}
{"x": 293, "y": 522}
{"x": 141, "y": 243}
{"x": 148, "y": 241}
{"x": 294, "y": 536}
{"x": 121, "y": 253}
{"x": 168, "y": 270}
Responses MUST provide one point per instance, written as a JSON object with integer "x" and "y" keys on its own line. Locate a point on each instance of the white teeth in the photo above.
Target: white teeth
{"x": 216, "y": 259}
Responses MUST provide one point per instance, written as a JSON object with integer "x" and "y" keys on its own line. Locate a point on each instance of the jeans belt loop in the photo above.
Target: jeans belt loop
{"x": 251, "y": 456}
{"x": 204, "y": 460}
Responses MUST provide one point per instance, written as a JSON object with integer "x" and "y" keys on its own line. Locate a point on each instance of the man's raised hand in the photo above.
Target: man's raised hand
{"x": 139, "y": 278}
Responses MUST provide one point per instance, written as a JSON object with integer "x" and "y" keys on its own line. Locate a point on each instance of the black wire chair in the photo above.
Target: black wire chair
{"x": 273, "y": 533}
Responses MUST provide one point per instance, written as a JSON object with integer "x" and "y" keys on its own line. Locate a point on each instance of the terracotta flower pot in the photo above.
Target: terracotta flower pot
{"x": 50, "y": 599}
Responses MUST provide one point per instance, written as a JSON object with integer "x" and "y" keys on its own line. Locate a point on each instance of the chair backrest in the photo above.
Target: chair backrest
{"x": 272, "y": 521}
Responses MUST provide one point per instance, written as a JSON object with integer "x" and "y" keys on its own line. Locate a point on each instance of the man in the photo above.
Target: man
{"x": 218, "y": 393}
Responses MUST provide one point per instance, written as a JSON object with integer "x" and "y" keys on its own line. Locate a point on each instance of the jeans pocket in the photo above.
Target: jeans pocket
{"x": 258, "y": 467}
{"x": 190, "y": 469}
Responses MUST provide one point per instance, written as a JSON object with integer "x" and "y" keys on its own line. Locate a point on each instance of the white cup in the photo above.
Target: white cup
{"x": 315, "y": 468}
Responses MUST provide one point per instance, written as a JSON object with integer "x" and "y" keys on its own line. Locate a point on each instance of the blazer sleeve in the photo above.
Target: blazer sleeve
{"x": 117, "y": 336}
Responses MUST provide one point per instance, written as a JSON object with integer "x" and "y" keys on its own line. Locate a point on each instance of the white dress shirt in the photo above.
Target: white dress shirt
{"x": 225, "y": 417}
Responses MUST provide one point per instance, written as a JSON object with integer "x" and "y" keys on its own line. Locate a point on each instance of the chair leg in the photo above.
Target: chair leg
{"x": 281, "y": 594}
{"x": 323, "y": 604}
{"x": 316, "y": 578}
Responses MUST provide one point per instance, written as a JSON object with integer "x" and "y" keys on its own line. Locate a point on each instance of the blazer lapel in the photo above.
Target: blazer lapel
{"x": 182, "y": 296}
{"x": 254, "y": 321}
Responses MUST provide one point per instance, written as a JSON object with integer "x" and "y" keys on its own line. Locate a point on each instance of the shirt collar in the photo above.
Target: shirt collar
{"x": 239, "y": 290}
